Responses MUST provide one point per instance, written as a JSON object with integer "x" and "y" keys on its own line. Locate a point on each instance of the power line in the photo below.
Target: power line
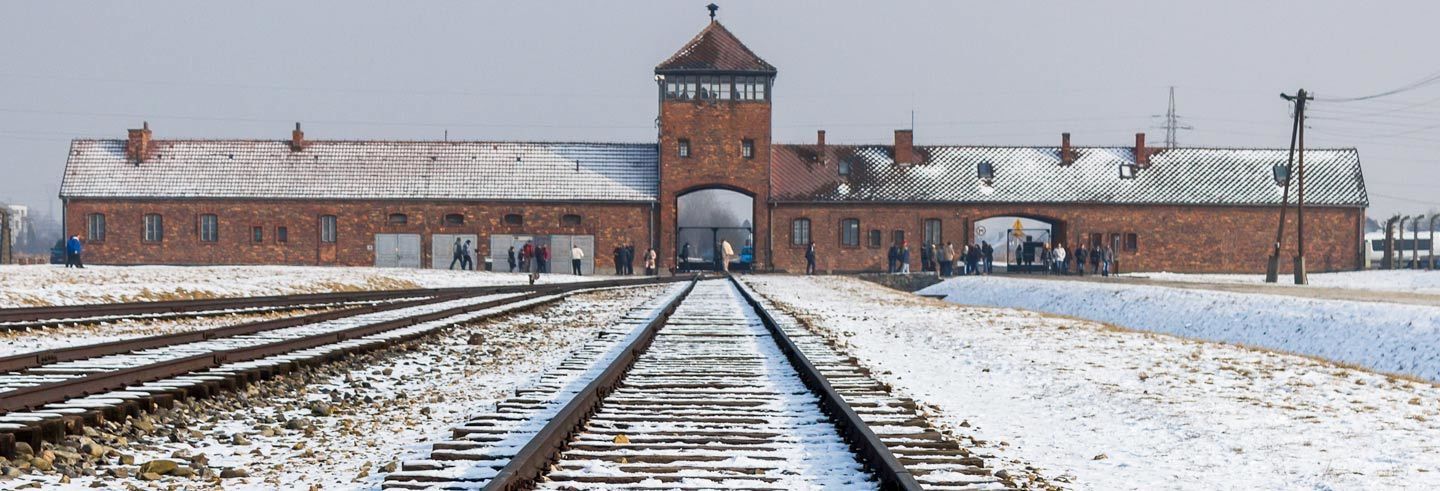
{"x": 1172, "y": 123}
{"x": 1427, "y": 80}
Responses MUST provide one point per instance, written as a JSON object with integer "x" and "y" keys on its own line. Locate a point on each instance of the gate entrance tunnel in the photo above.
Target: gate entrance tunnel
{"x": 708, "y": 217}
{"x": 1019, "y": 241}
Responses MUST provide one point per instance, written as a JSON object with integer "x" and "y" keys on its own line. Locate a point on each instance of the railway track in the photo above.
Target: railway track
{"x": 711, "y": 390}
{"x": 31, "y": 317}
{"x": 60, "y": 391}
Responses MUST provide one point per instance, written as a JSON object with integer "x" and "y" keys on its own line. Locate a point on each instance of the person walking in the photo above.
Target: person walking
{"x": 650, "y": 269}
{"x": 545, "y": 259}
{"x": 684, "y": 256}
{"x": 510, "y": 258}
{"x": 467, "y": 263}
{"x": 73, "y": 249}
{"x": 726, "y": 252}
{"x": 576, "y": 254}
{"x": 1047, "y": 257}
{"x": 903, "y": 256}
{"x": 892, "y": 257}
{"x": 1059, "y": 265}
{"x": 1019, "y": 257}
{"x": 1106, "y": 258}
{"x": 527, "y": 252}
{"x": 810, "y": 259}
{"x": 1080, "y": 259}
{"x": 972, "y": 259}
{"x": 455, "y": 255}
{"x": 988, "y": 254}
{"x": 1095, "y": 254}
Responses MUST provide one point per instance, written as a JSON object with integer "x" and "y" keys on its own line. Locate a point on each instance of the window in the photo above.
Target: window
{"x": 209, "y": 228}
{"x": 328, "y": 230}
{"x": 1096, "y": 240}
{"x": 875, "y": 238}
{"x": 897, "y": 237}
{"x": 800, "y": 231}
{"x": 1281, "y": 172}
{"x": 570, "y": 220}
{"x": 750, "y": 88}
{"x": 282, "y": 235}
{"x": 257, "y": 234}
{"x": 397, "y": 219}
{"x": 1132, "y": 243}
{"x": 850, "y": 232}
{"x": 747, "y": 148}
{"x": 1114, "y": 241}
{"x": 95, "y": 227}
{"x": 453, "y": 219}
{"x": 684, "y": 150}
{"x": 514, "y": 219}
{"x": 154, "y": 228}
{"x": 932, "y": 231}
{"x": 985, "y": 171}
{"x": 1127, "y": 171}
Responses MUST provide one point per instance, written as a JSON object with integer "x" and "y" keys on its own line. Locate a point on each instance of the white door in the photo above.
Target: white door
{"x": 442, "y": 250}
{"x": 397, "y": 250}
{"x": 560, "y": 247}
{"x": 499, "y": 250}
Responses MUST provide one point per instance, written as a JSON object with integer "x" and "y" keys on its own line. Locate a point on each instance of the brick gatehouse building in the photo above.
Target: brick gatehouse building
{"x": 714, "y": 174}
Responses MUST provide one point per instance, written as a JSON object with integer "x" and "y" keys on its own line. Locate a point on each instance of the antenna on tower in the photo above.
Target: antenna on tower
{"x": 1172, "y": 123}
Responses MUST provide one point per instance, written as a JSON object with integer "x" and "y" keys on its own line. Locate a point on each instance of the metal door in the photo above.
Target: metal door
{"x": 560, "y": 252}
{"x": 397, "y": 250}
{"x": 442, "y": 250}
{"x": 499, "y": 250}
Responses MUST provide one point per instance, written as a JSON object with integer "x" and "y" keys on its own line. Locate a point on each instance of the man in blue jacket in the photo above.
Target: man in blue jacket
{"x": 72, "y": 253}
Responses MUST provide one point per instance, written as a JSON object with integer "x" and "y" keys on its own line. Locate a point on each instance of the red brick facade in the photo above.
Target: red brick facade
{"x": 1192, "y": 239}
{"x": 357, "y": 222}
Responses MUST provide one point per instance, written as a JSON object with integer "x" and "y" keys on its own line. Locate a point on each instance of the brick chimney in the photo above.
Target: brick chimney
{"x": 297, "y": 139}
{"x": 820, "y": 146}
{"x": 1142, "y": 154}
{"x": 137, "y": 146}
{"x": 1067, "y": 155}
{"x": 905, "y": 147}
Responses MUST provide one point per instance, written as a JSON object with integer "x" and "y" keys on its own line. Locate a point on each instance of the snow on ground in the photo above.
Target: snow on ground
{"x": 1400, "y": 280}
{"x": 388, "y": 407}
{"x": 36, "y": 285}
{"x": 1104, "y": 408}
{"x": 1396, "y": 338}
{"x": 44, "y": 338}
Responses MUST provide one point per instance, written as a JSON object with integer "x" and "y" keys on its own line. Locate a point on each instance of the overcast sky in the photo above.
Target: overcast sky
{"x": 973, "y": 72}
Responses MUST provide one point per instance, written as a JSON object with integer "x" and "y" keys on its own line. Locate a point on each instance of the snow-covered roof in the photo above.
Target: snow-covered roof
{"x": 468, "y": 170}
{"x": 1192, "y": 176}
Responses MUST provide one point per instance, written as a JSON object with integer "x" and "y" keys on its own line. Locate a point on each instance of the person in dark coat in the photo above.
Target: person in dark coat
{"x": 545, "y": 259}
{"x": 510, "y": 258}
{"x": 527, "y": 252}
{"x": 1081, "y": 255}
{"x": 465, "y": 262}
{"x": 73, "y": 249}
{"x": 456, "y": 256}
{"x": 630, "y": 259}
{"x": 892, "y": 257}
{"x": 972, "y": 260}
{"x": 619, "y": 253}
{"x": 684, "y": 255}
{"x": 988, "y": 254}
{"x": 810, "y": 259}
{"x": 1020, "y": 256}
{"x": 926, "y": 254}
{"x": 1095, "y": 260}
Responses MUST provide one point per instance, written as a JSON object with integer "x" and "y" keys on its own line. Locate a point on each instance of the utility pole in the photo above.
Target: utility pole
{"x": 1272, "y": 268}
{"x": 1300, "y": 99}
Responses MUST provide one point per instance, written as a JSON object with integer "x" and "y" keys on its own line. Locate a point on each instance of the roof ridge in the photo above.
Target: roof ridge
{"x": 723, "y": 43}
{"x": 1056, "y": 147}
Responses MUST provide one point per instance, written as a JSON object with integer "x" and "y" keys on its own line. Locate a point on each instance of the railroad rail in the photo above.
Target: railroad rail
{"x": 62, "y": 392}
{"x": 13, "y": 318}
{"x": 709, "y": 390}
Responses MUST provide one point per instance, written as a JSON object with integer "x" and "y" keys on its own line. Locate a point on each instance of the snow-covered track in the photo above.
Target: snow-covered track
{"x": 61, "y": 397}
{"x": 712, "y": 396}
{"x": 30, "y": 317}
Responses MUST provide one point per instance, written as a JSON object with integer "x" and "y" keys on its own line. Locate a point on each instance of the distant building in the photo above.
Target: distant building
{"x": 713, "y": 175}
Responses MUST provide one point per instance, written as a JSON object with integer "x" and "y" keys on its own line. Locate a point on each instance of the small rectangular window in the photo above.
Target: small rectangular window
{"x": 282, "y": 235}
{"x": 454, "y": 219}
{"x": 850, "y": 232}
{"x": 1096, "y": 240}
{"x": 154, "y": 228}
{"x": 397, "y": 219}
{"x": 876, "y": 238}
{"x": 1132, "y": 243}
{"x": 1127, "y": 171}
{"x": 684, "y": 149}
{"x": 570, "y": 221}
{"x": 257, "y": 234}
{"x": 932, "y": 231}
{"x": 209, "y": 228}
{"x": 514, "y": 219}
{"x": 747, "y": 148}
{"x": 800, "y": 231}
{"x": 95, "y": 229}
{"x": 897, "y": 237}
{"x": 328, "y": 232}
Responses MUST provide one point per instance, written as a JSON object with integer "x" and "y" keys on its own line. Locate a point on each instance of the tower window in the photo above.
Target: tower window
{"x": 747, "y": 148}
{"x": 684, "y": 149}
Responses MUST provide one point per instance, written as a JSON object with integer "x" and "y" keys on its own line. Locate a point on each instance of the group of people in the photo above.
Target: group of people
{"x": 946, "y": 260}
{"x": 461, "y": 255}
{"x": 723, "y": 252}
{"x": 72, "y": 253}
{"x": 624, "y": 256}
{"x": 529, "y": 258}
{"x": 1059, "y": 261}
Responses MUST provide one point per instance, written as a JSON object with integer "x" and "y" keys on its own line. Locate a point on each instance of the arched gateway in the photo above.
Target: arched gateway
{"x": 708, "y": 217}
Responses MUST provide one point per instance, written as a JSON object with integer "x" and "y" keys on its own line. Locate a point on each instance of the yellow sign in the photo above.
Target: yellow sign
{"x": 1019, "y": 230}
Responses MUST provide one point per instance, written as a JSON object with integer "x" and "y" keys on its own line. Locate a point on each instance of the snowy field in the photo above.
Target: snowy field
{"x": 1403, "y": 339}
{"x": 1400, "y": 280}
{"x": 1105, "y": 408}
{"x": 36, "y": 285}
{"x": 347, "y": 424}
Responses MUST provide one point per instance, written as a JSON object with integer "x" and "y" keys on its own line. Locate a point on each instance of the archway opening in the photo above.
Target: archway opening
{"x": 708, "y": 218}
{"x": 1019, "y": 241}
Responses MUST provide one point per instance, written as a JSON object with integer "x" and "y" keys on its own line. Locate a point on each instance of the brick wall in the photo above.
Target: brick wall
{"x": 357, "y": 222}
{"x": 715, "y": 130}
{"x": 1171, "y": 238}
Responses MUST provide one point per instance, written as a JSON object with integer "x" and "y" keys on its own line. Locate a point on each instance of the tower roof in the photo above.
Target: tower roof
{"x": 715, "y": 49}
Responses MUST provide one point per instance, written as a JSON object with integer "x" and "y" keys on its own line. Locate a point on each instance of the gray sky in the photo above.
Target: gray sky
{"x": 973, "y": 72}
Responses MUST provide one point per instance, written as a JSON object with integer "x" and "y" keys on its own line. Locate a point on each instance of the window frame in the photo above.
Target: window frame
{"x": 801, "y": 228}
{"x": 939, "y": 235}
{"x": 1132, "y": 242}
{"x": 519, "y": 219}
{"x": 897, "y": 236}
{"x": 329, "y": 229}
{"x": 565, "y": 220}
{"x": 152, "y": 230}
{"x": 847, "y": 225}
{"x": 397, "y": 219}
{"x": 445, "y": 220}
{"x": 747, "y": 148}
{"x": 282, "y": 234}
{"x": 208, "y": 226}
{"x": 682, "y": 148}
{"x": 257, "y": 234}
{"x": 1129, "y": 171}
{"x": 875, "y": 238}
{"x": 94, "y": 233}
